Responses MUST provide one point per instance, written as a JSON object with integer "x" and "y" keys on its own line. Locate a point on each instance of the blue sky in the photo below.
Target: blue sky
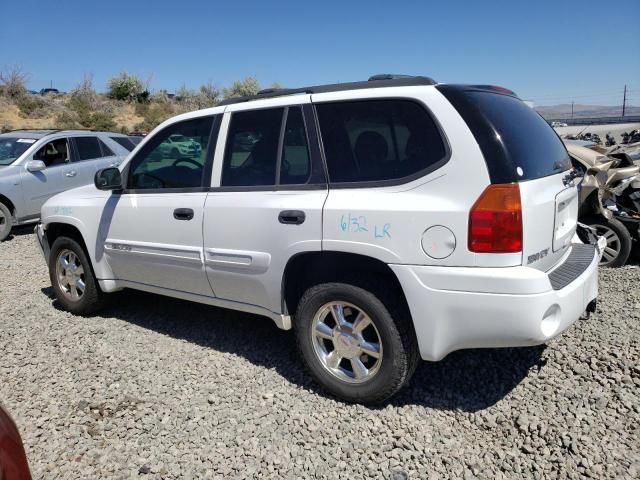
{"x": 544, "y": 50}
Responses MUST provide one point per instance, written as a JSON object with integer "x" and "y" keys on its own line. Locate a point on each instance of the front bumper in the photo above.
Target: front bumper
{"x": 41, "y": 235}
{"x": 455, "y": 308}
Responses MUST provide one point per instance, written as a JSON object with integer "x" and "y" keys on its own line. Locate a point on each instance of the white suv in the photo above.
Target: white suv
{"x": 383, "y": 221}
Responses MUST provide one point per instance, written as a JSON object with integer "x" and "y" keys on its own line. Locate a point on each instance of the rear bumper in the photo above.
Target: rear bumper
{"x": 455, "y": 308}
{"x": 41, "y": 235}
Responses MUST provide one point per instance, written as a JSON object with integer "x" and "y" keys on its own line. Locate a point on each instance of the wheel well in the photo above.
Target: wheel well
{"x": 312, "y": 268}
{"x": 55, "y": 230}
{"x": 9, "y": 204}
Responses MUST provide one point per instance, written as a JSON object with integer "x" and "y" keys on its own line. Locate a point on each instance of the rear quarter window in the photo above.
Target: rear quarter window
{"x": 516, "y": 142}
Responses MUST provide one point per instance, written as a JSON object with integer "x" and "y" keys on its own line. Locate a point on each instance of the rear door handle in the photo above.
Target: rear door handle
{"x": 183, "y": 213}
{"x": 70, "y": 173}
{"x": 292, "y": 217}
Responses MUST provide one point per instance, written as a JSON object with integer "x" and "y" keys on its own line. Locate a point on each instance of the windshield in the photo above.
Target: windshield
{"x": 12, "y": 147}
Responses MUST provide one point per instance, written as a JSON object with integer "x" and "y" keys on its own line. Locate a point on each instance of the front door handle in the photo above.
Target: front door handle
{"x": 292, "y": 217}
{"x": 183, "y": 213}
{"x": 114, "y": 164}
{"x": 70, "y": 173}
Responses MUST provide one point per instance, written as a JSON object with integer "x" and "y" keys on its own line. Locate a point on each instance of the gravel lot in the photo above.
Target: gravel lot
{"x": 160, "y": 388}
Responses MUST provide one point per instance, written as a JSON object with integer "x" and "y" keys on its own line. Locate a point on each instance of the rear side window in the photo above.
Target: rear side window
{"x": 88, "y": 148}
{"x": 517, "y": 143}
{"x": 378, "y": 140}
{"x": 251, "y": 153}
{"x": 124, "y": 142}
{"x": 296, "y": 163}
{"x": 106, "y": 151}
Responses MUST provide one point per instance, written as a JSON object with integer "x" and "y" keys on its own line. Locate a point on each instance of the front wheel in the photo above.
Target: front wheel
{"x": 6, "y": 221}
{"x": 72, "y": 278}
{"x": 619, "y": 241}
{"x": 352, "y": 345}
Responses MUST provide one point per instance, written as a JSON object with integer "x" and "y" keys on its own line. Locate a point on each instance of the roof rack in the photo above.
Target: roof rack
{"x": 375, "y": 81}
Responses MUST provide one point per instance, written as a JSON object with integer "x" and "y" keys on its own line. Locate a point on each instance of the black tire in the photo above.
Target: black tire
{"x": 399, "y": 347}
{"x": 92, "y": 299}
{"x": 6, "y": 221}
{"x": 623, "y": 244}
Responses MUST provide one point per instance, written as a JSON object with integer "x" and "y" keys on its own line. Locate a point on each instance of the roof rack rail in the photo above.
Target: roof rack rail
{"x": 376, "y": 81}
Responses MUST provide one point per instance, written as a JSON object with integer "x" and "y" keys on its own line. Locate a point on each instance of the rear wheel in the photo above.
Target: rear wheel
{"x": 6, "y": 221}
{"x": 619, "y": 241}
{"x": 72, "y": 278}
{"x": 351, "y": 343}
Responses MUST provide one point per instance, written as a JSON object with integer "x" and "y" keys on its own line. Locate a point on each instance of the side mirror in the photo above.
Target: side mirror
{"x": 35, "y": 165}
{"x": 108, "y": 179}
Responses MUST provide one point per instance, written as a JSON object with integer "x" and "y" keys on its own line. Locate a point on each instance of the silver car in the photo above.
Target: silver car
{"x": 37, "y": 164}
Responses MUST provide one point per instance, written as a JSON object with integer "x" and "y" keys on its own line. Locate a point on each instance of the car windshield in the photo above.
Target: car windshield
{"x": 12, "y": 147}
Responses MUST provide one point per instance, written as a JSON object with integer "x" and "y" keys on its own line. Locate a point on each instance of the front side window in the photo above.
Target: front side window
{"x": 251, "y": 152}
{"x": 377, "y": 140}
{"x": 54, "y": 153}
{"x": 174, "y": 158}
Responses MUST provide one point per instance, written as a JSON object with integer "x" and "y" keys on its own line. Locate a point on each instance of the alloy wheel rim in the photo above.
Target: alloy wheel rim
{"x": 3, "y": 219}
{"x": 70, "y": 275}
{"x": 613, "y": 247}
{"x": 346, "y": 341}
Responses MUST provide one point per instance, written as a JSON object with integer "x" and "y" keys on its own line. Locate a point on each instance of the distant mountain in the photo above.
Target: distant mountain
{"x": 583, "y": 111}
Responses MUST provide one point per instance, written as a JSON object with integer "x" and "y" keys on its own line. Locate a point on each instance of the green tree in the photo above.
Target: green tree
{"x": 126, "y": 87}
{"x": 242, "y": 88}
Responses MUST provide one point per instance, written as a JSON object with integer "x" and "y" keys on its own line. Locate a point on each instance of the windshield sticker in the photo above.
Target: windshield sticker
{"x": 26, "y": 140}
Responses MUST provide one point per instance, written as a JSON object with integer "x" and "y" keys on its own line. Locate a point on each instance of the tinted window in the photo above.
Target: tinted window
{"x": 378, "y": 140}
{"x": 88, "y": 148}
{"x": 528, "y": 139}
{"x": 164, "y": 163}
{"x": 296, "y": 166}
{"x": 53, "y": 153}
{"x": 251, "y": 153}
{"x": 124, "y": 142}
{"x": 106, "y": 151}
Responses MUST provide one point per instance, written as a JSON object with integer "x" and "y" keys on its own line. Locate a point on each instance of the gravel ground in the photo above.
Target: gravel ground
{"x": 160, "y": 388}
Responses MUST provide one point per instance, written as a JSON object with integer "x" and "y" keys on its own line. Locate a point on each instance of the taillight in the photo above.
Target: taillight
{"x": 495, "y": 220}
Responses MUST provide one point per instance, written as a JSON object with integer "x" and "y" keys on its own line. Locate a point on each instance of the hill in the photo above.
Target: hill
{"x": 584, "y": 111}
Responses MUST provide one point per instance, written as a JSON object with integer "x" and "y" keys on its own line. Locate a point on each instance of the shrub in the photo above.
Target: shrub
{"x": 13, "y": 81}
{"x": 154, "y": 114}
{"x": 126, "y": 87}
{"x": 29, "y": 103}
{"x": 242, "y": 88}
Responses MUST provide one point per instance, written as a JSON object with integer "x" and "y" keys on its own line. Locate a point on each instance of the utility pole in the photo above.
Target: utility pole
{"x": 624, "y": 100}
{"x": 571, "y": 110}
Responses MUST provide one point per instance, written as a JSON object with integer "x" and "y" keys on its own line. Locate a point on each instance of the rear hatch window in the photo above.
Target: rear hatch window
{"x": 517, "y": 143}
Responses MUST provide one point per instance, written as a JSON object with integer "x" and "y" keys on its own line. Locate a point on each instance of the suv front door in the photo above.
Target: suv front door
{"x": 58, "y": 176}
{"x": 153, "y": 233}
{"x": 266, "y": 203}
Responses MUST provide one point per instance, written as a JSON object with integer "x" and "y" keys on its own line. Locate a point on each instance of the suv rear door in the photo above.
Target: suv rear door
{"x": 92, "y": 154}
{"x": 265, "y": 205}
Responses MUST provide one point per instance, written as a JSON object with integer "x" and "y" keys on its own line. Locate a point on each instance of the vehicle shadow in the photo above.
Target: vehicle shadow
{"x": 468, "y": 380}
{"x": 20, "y": 231}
